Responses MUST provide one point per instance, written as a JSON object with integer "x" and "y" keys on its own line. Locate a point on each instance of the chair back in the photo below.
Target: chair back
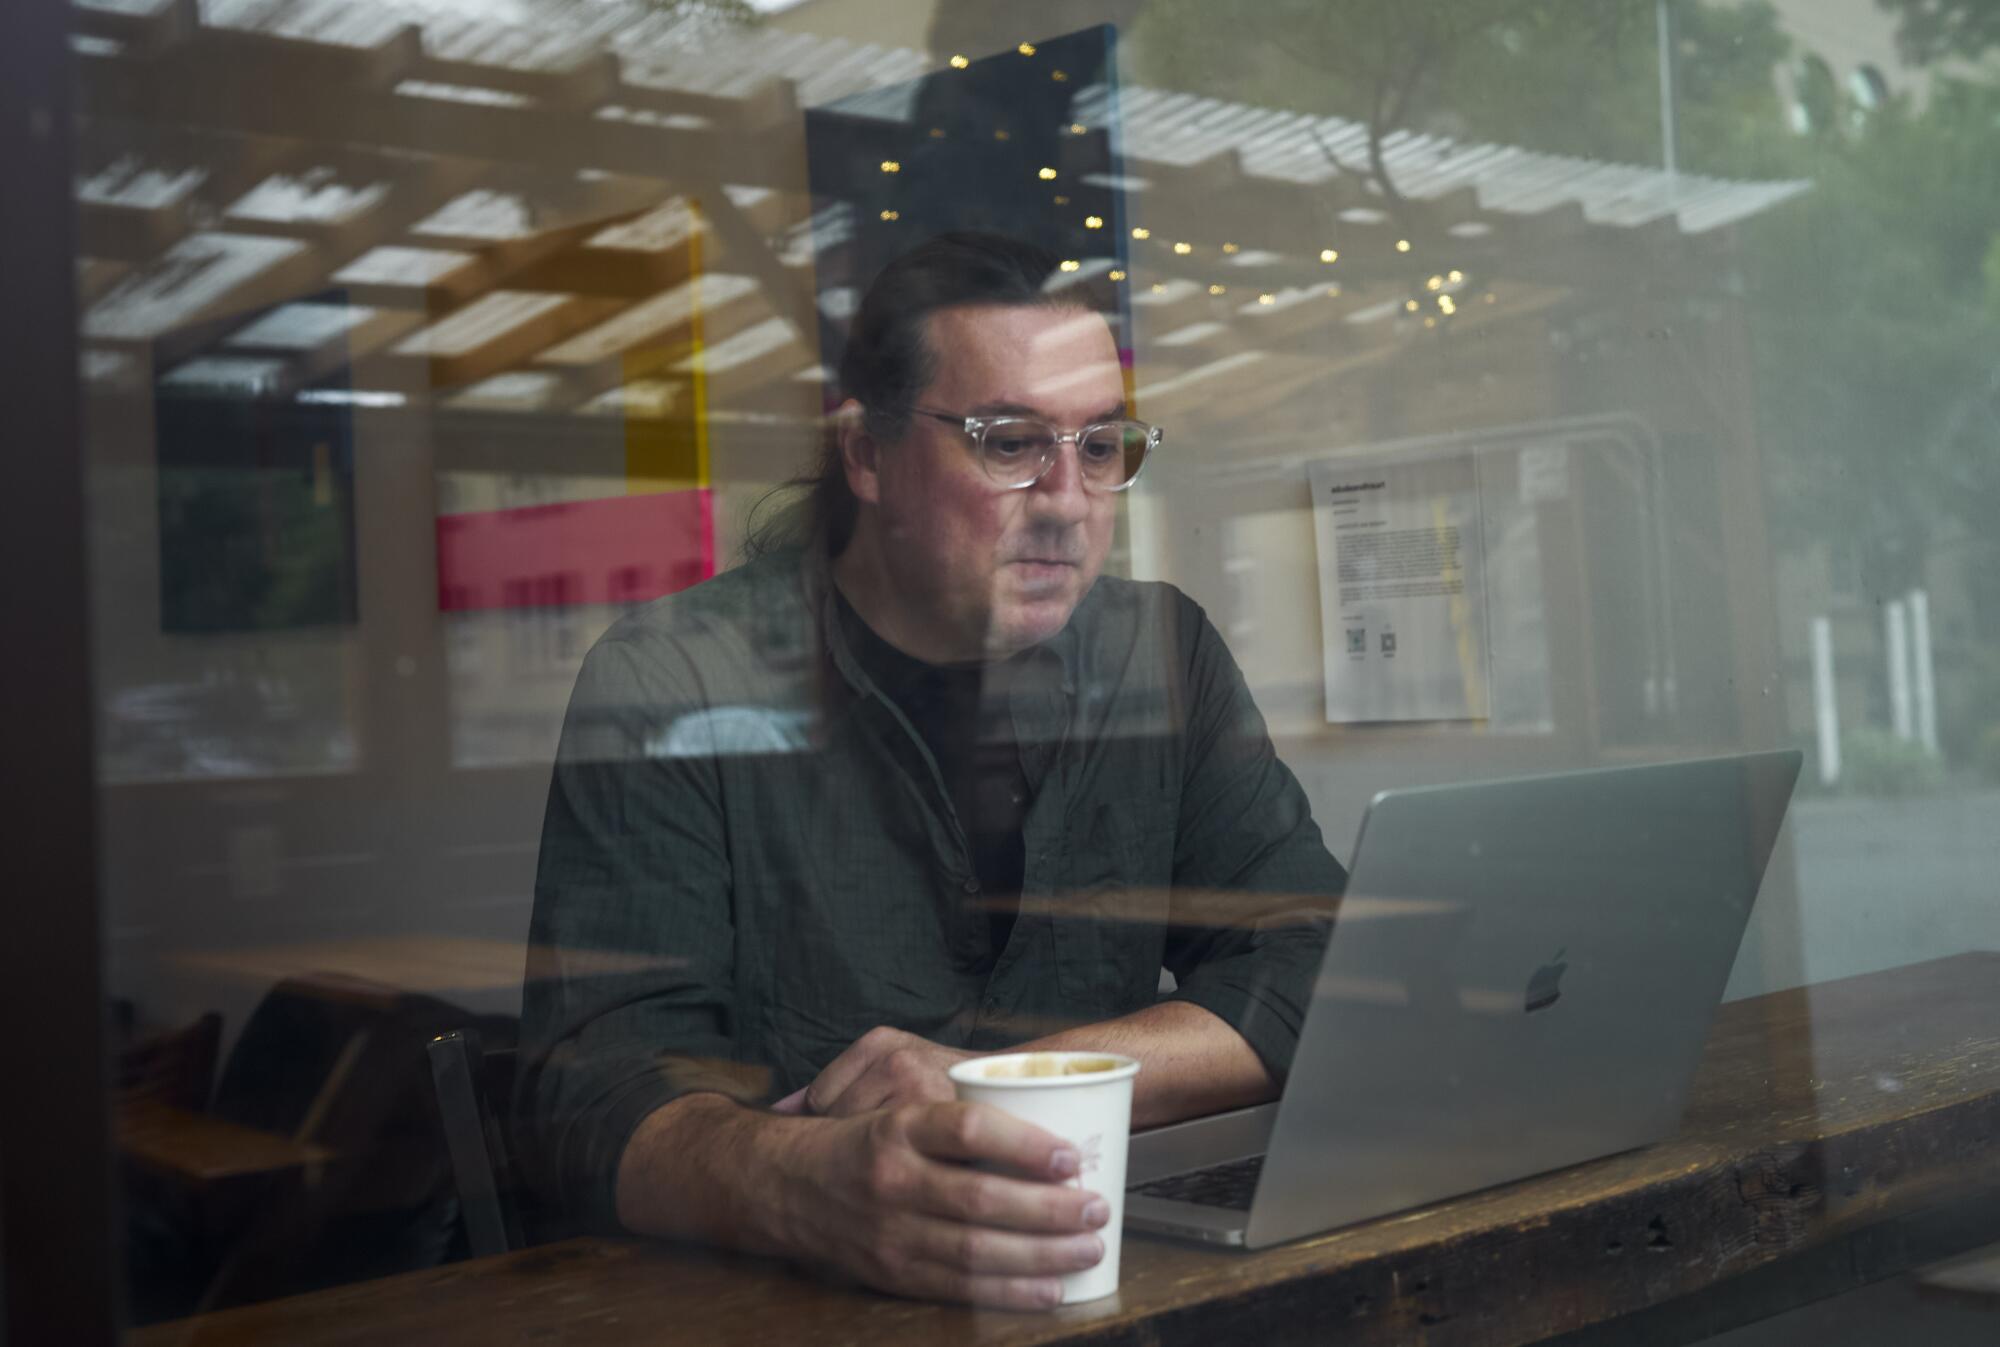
{"x": 468, "y": 1079}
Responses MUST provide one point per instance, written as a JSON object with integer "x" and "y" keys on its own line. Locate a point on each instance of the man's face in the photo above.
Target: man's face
{"x": 979, "y": 571}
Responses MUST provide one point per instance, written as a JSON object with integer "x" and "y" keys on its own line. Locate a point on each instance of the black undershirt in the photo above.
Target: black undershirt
{"x": 962, "y": 714}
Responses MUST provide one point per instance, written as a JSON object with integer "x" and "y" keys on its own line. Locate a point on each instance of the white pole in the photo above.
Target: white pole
{"x": 1669, "y": 134}
{"x": 1896, "y": 632}
{"x": 1920, "y": 669}
{"x": 1826, "y": 710}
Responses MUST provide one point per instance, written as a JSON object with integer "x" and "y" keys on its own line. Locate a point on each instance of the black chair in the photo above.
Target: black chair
{"x": 468, "y": 1078}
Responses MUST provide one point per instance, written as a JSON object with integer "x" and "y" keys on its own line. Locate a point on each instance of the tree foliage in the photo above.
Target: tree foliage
{"x": 1871, "y": 301}
{"x": 1514, "y": 71}
{"x": 1934, "y": 30}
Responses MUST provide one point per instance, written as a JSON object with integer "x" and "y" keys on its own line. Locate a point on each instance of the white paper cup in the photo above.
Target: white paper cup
{"x": 1090, "y": 1109}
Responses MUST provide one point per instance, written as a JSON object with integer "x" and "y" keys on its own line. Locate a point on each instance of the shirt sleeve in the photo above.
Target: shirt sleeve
{"x": 628, "y": 1000}
{"x": 1254, "y": 884}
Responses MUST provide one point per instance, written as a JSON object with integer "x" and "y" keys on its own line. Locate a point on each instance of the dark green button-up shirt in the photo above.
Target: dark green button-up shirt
{"x": 749, "y": 857}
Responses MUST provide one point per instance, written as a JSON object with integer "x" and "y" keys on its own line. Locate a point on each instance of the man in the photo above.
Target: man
{"x": 914, "y": 785}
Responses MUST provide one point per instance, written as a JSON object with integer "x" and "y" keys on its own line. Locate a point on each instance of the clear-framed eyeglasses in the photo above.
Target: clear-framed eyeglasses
{"x": 1018, "y": 451}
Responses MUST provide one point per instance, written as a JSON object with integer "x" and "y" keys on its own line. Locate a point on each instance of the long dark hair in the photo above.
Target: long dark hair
{"x": 889, "y": 360}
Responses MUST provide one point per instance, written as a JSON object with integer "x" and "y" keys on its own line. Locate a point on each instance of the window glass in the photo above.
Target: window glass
{"x": 574, "y": 651}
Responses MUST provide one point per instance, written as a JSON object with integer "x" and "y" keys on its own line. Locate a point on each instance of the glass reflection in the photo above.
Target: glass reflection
{"x": 426, "y": 342}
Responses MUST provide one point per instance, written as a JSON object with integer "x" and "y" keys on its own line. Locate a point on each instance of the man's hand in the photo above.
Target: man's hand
{"x": 884, "y": 1068}
{"x": 889, "y": 1198}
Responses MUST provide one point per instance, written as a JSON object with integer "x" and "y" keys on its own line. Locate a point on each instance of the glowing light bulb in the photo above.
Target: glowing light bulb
{"x": 1117, "y": 275}
{"x": 891, "y": 166}
{"x": 1183, "y": 248}
{"x": 1435, "y": 283}
{"x": 1447, "y": 305}
{"x": 1217, "y": 289}
{"x": 1455, "y": 275}
{"x": 1142, "y": 233}
{"x": 1026, "y": 49}
{"x": 959, "y": 63}
{"x": 1267, "y": 299}
{"x": 1329, "y": 255}
{"x": 1093, "y": 222}
{"x": 1402, "y": 245}
{"x": 1047, "y": 175}
{"x": 891, "y": 215}
{"x": 1231, "y": 248}
{"x": 1071, "y": 264}
{"x": 1411, "y": 305}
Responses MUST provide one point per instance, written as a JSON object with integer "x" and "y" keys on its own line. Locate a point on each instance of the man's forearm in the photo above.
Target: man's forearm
{"x": 699, "y": 1167}
{"x": 1195, "y": 1063}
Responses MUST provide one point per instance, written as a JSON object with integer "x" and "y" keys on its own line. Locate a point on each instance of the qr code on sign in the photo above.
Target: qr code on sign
{"x": 1357, "y": 640}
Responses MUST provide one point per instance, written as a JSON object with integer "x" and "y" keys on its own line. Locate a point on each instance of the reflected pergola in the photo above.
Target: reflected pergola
{"x": 506, "y": 210}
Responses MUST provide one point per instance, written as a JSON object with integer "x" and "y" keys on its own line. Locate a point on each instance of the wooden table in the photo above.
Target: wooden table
{"x": 1837, "y": 1134}
{"x": 199, "y": 1150}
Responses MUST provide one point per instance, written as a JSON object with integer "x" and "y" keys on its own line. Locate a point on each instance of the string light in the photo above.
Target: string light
{"x": 1455, "y": 276}
{"x": 1000, "y": 133}
{"x": 1159, "y": 287}
{"x": 1447, "y": 305}
{"x": 1333, "y": 292}
{"x": 1329, "y": 255}
{"x": 1059, "y": 76}
{"x": 1435, "y": 283}
{"x": 1231, "y": 248}
{"x": 891, "y": 166}
{"x": 959, "y": 63}
{"x": 1183, "y": 248}
{"x": 1141, "y": 232}
{"x": 1217, "y": 289}
{"x": 1267, "y": 298}
{"x": 1093, "y": 222}
{"x": 891, "y": 215}
{"x": 1076, "y": 128}
{"x": 1026, "y": 49}
{"x": 1047, "y": 175}
{"x": 1117, "y": 275}
{"x": 937, "y": 133}
{"x": 1411, "y": 305}
{"x": 1430, "y": 322}
{"x": 1071, "y": 264}
{"x": 1402, "y": 245}
{"x": 1060, "y": 200}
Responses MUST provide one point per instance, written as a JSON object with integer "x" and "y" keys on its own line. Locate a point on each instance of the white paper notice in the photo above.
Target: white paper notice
{"x": 1402, "y": 593}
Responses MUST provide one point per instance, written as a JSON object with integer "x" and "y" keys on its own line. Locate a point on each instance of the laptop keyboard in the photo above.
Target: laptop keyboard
{"x": 1229, "y": 1185}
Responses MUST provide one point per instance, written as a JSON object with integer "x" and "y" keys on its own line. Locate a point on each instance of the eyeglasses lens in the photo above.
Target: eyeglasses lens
{"x": 1016, "y": 451}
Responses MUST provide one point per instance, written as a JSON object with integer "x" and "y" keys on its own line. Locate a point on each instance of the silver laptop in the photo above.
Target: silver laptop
{"x": 1521, "y": 977}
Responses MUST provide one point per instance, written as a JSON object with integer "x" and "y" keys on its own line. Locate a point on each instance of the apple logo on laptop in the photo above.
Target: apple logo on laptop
{"x": 1545, "y": 987}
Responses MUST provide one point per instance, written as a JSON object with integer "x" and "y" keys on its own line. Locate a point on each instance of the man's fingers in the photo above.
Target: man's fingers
{"x": 853, "y": 1062}
{"x": 974, "y": 1197}
{"x": 984, "y": 1251}
{"x": 884, "y": 1086}
{"x": 795, "y": 1102}
{"x": 934, "y": 1281}
{"x": 960, "y": 1131}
